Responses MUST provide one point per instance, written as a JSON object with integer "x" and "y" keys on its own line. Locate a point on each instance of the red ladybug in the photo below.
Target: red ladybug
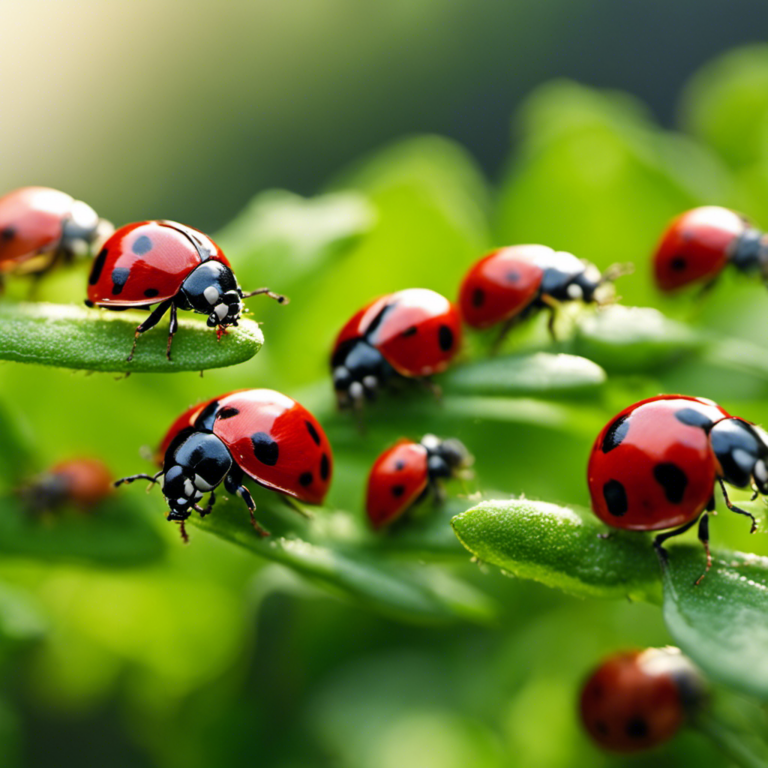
{"x": 654, "y": 465}
{"x": 173, "y": 266}
{"x": 637, "y": 700}
{"x": 255, "y": 432}
{"x": 412, "y": 333}
{"x": 82, "y": 482}
{"x": 511, "y": 283}
{"x": 698, "y": 244}
{"x": 407, "y": 471}
{"x": 38, "y": 221}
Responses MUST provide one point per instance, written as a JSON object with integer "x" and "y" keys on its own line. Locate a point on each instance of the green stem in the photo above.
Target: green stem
{"x": 730, "y": 742}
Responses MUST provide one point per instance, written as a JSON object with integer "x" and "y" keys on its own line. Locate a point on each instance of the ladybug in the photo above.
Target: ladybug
{"x": 637, "y": 700}
{"x": 82, "y": 483}
{"x": 654, "y": 465}
{"x": 407, "y": 471}
{"x": 511, "y": 283}
{"x": 258, "y": 433}
{"x": 46, "y": 223}
{"x": 409, "y": 334}
{"x": 173, "y": 266}
{"x": 698, "y": 244}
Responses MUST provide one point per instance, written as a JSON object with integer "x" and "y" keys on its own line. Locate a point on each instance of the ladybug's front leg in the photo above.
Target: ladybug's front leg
{"x": 172, "y": 328}
{"x": 736, "y": 509}
{"x": 662, "y": 537}
{"x": 150, "y": 322}
{"x": 234, "y": 485}
{"x": 209, "y": 507}
{"x": 704, "y": 539}
{"x": 552, "y": 305}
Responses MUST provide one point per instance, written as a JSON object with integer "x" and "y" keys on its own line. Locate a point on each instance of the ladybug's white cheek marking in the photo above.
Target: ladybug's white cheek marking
{"x": 201, "y": 484}
{"x": 211, "y": 295}
{"x": 761, "y": 472}
{"x": 355, "y": 390}
{"x": 189, "y": 489}
{"x": 574, "y": 291}
{"x": 181, "y": 502}
{"x": 221, "y": 311}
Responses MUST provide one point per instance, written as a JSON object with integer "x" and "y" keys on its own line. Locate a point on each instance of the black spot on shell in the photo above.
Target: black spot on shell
{"x": 150, "y": 293}
{"x": 445, "y": 338}
{"x": 313, "y": 432}
{"x": 306, "y": 479}
{"x": 615, "y": 498}
{"x": 399, "y": 465}
{"x": 98, "y": 265}
{"x": 412, "y": 331}
{"x": 693, "y": 418}
{"x": 615, "y": 434}
{"x": 119, "y": 278}
{"x": 265, "y": 449}
{"x": 397, "y": 490}
{"x": 325, "y": 467}
{"x": 7, "y": 233}
{"x": 142, "y": 245}
{"x": 637, "y": 728}
{"x": 678, "y": 264}
{"x": 513, "y": 276}
{"x": 478, "y": 297}
{"x": 673, "y": 480}
{"x": 227, "y": 412}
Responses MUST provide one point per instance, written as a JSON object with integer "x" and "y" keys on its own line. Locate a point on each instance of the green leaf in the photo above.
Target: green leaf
{"x": 722, "y": 624}
{"x": 632, "y": 339}
{"x": 89, "y": 339}
{"x": 325, "y": 550}
{"x": 114, "y": 534}
{"x": 560, "y": 547}
{"x": 540, "y": 373}
{"x": 21, "y": 619}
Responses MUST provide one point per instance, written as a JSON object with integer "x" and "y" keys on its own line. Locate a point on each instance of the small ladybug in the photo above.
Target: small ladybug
{"x": 698, "y": 244}
{"x": 407, "y": 471}
{"x": 257, "y": 433}
{"x": 173, "y": 266}
{"x": 46, "y": 223}
{"x": 81, "y": 483}
{"x": 654, "y": 466}
{"x": 412, "y": 333}
{"x": 512, "y": 283}
{"x": 637, "y": 700}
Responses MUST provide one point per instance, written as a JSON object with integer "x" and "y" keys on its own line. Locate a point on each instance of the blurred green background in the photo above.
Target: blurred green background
{"x": 206, "y": 655}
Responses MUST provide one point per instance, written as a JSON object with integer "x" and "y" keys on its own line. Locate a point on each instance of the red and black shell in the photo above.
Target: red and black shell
{"x": 273, "y": 439}
{"x": 411, "y": 333}
{"x": 510, "y": 282}
{"x": 698, "y": 244}
{"x": 81, "y": 482}
{"x": 44, "y": 222}
{"x": 637, "y": 700}
{"x": 654, "y": 465}
{"x": 403, "y": 474}
{"x": 147, "y": 262}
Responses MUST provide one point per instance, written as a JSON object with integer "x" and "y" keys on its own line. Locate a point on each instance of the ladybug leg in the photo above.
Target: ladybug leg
{"x": 552, "y": 305}
{"x": 662, "y": 537}
{"x": 183, "y": 532}
{"x": 133, "y": 478}
{"x": 279, "y": 298}
{"x": 704, "y": 539}
{"x": 208, "y": 508}
{"x": 150, "y": 322}
{"x": 233, "y": 485}
{"x": 172, "y": 328}
{"x": 503, "y": 333}
{"x": 736, "y": 509}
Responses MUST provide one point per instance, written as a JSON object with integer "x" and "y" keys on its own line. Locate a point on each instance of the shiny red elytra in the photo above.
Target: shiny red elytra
{"x": 258, "y": 433}
{"x": 403, "y": 474}
{"x": 700, "y": 243}
{"x": 412, "y": 334}
{"x": 511, "y": 283}
{"x": 170, "y": 265}
{"x": 637, "y": 700}
{"x": 82, "y": 483}
{"x": 655, "y": 464}
{"x": 40, "y": 226}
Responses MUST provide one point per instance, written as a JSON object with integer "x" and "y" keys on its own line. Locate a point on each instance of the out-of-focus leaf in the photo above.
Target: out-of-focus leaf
{"x": 539, "y": 374}
{"x": 16, "y": 453}
{"x": 21, "y": 619}
{"x": 722, "y": 623}
{"x": 114, "y": 534}
{"x": 560, "y": 547}
{"x": 89, "y": 339}
{"x": 631, "y": 339}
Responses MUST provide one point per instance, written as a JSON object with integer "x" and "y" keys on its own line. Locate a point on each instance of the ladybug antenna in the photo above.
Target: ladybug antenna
{"x": 278, "y": 297}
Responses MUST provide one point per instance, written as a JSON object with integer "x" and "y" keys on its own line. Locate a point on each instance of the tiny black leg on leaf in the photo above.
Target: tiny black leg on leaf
{"x": 736, "y": 509}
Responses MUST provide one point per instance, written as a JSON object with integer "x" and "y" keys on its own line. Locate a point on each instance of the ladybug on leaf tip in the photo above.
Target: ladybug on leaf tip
{"x": 46, "y": 223}
{"x": 637, "y": 700}
{"x": 408, "y": 334}
{"x": 257, "y": 433}
{"x": 512, "y": 283}
{"x": 170, "y": 265}
{"x": 654, "y": 466}
{"x": 698, "y": 244}
{"x": 403, "y": 474}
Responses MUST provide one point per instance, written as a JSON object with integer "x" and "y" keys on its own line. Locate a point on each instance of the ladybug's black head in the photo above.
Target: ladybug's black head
{"x": 358, "y": 370}
{"x": 211, "y": 289}
{"x": 83, "y": 232}
{"x": 195, "y": 463}
{"x": 741, "y": 450}
{"x": 446, "y": 458}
